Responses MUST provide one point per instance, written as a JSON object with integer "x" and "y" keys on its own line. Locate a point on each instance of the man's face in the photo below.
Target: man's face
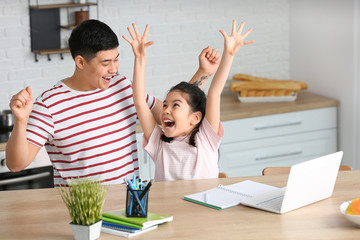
{"x": 99, "y": 70}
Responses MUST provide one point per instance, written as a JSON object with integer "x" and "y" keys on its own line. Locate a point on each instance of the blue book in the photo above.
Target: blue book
{"x": 119, "y": 227}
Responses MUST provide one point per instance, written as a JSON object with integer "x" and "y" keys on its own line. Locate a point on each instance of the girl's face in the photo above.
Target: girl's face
{"x": 176, "y": 116}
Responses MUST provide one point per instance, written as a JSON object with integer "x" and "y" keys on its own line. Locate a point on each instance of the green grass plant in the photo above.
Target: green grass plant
{"x": 84, "y": 199}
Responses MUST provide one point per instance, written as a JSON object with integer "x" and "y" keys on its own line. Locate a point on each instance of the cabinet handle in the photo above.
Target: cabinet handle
{"x": 24, "y": 179}
{"x": 275, "y": 125}
{"x": 264, "y": 156}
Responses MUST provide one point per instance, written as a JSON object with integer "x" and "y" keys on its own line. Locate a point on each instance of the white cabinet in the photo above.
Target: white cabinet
{"x": 146, "y": 165}
{"x": 251, "y": 144}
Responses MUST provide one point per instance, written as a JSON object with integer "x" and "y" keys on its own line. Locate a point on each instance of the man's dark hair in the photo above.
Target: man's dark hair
{"x": 90, "y": 37}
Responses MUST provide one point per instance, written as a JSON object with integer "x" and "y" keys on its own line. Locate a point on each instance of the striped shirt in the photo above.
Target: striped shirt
{"x": 88, "y": 134}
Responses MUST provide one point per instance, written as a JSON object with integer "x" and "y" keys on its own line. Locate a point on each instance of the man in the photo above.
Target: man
{"x": 87, "y": 121}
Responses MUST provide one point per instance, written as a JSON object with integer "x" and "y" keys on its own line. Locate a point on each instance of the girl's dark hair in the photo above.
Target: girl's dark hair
{"x": 90, "y": 37}
{"x": 197, "y": 102}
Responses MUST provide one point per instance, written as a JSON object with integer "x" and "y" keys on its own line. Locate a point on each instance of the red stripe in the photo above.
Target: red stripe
{"x": 88, "y": 130}
{"x": 121, "y": 176}
{"x": 37, "y": 134}
{"x": 42, "y": 129}
{"x": 93, "y": 147}
{"x": 118, "y": 81}
{"x": 34, "y": 142}
{"x": 96, "y": 137}
{"x": 99, "y": 164}
{"x": 42, "y": 114}
{"x": 86, "y": 95}
{"x": 40, "y": 104}
{"x": 51, "y": 89}
{"x": 105, "y": 180}
{"x": 40, "y": 120}
{"x": 55, "y": 94}
{"x": 98, "y": 109}
{"x": 152, "y": 104}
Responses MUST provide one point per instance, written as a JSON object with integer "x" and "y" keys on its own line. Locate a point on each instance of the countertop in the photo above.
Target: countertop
{"x": 232, "y": 108}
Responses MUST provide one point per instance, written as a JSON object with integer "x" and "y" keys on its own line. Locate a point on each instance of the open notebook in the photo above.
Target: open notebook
{"x": 229, "y": 196}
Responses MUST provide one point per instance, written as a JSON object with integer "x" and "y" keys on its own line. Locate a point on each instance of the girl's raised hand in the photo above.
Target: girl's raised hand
{"x": 138, "y": 42}
{"x": 234, "y": 42}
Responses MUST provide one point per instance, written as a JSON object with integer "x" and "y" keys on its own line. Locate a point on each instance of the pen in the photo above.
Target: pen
{"x": 131, "y": 198}
{"x": 145, "y": 190}
{"x": 133, "y": 180}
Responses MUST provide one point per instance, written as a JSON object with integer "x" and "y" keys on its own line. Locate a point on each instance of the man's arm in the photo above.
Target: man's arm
{"x": 19, "y": 152}
{"x": 209, "y": 61}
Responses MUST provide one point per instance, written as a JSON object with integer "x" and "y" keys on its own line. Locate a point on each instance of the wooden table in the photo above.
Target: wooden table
{"x": 41, "y": 214}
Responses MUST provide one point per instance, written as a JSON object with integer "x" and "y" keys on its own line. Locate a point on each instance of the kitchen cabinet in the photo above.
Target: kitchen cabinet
{"x": 259, "y": 135}
{"x": 45, "y": 27}
{"x": 251, "y": 144}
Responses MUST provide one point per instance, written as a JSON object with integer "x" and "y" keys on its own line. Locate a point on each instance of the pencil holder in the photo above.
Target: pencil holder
{"x": 137, "y": 203}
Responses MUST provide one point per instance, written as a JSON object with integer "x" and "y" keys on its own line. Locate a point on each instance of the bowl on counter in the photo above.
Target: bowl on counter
{"x": 7, "y": 118}
{"x": 352, "y": 218}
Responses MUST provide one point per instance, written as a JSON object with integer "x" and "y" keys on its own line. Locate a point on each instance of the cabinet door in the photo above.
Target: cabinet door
{"x": 279, "y": 124}
{"x": 248, "y": 158}
{"x": 146, "y": 165}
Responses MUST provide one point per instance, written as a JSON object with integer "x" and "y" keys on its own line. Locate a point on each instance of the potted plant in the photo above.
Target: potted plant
{"x": 84, "y": 199}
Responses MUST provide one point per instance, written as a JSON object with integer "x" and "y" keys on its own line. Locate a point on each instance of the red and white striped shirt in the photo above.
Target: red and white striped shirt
{"x": 88, "y": 134}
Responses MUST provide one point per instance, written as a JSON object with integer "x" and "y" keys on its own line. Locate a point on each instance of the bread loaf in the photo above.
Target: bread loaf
{"x": 271, "y": 85}
{"x": 250, "y": 78}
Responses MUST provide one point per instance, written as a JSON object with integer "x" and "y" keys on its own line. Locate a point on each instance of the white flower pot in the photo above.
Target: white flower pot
{"x": 82, "y": 232}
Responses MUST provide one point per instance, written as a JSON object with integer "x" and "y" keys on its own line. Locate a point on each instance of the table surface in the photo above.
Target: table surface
{"x": 41, "y": 214}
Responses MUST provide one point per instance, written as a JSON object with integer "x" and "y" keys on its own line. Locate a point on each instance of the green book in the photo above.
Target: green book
{"x": 119, "y": 217}
{"x": 122, "y": 223}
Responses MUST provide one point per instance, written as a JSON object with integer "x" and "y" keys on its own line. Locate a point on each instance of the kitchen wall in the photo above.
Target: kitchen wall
{"x": 180, "y": 29}
{"x": 313, "y": 41}
{"x": 324, "y": 52}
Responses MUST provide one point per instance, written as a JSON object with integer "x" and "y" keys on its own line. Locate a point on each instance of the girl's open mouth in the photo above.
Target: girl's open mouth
{"x": 168, "y": 123}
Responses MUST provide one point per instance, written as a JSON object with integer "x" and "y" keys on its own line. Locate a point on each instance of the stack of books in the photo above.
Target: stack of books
{"x": 116, "y": 222}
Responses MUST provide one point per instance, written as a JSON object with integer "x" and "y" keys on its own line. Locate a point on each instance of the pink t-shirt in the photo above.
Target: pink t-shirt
{"x": 179, "y": 160}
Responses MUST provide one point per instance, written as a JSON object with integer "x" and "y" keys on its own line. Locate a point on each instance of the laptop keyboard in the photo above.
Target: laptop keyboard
{"x": 273, "y": 203}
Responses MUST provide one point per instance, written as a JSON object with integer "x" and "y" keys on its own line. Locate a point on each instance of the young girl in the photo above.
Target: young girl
{"x": 186, "y": 145}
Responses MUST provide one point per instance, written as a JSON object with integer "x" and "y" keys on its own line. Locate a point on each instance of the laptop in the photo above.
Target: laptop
{"x": 308, "y": 182}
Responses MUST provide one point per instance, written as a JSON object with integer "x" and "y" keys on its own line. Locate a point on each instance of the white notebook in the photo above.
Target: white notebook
{"x": 227, "y": 196}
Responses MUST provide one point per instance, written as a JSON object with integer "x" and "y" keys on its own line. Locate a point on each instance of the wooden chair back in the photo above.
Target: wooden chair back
{"x": 286, "y": 170}
{"x": 222, "y": 175}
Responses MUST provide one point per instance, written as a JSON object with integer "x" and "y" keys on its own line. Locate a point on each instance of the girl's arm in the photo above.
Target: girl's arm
{"x": 139, "y": 46}
{"x": 231, "y": 45}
